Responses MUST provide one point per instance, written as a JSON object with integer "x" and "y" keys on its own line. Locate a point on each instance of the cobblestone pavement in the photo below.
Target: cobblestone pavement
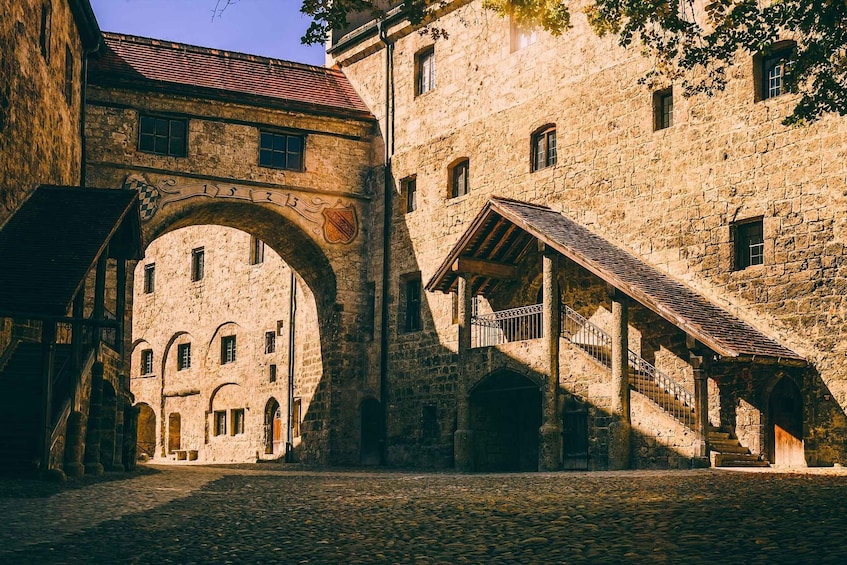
{"x": 268, "y": 513}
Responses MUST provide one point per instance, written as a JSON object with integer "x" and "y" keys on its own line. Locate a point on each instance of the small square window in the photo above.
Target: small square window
{"x": 198, "y": 264}
{"x": 280, "y": 151}
{"x": 749, "y": 243}
{"x": 220, "y": 422}
{"x": 272, "y": 374}
{"x": 270, "y": 342}
{"x": 410, "y": 189}
{"x": 162, "y": 136}
{"x": 411, "y": 304}
{"x": 772, "y": 70}
{"x": 227, "y": 349}
{"x": 183, "y": 356}
{"x": 459, "y": 173}
{"x": 425, "y": 71}
{"x": 237, "y": 427}
{"x": 663, "y": 109}
{"x": 149, "y": 278}
{"x": 257, "y": 250}
{"x": 544, "y": 148}
{"x": 147, "y": 362}
{"x": 522, "y": 36}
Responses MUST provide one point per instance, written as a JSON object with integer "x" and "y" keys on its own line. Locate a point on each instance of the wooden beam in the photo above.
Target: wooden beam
{"x": 485, "y": 268}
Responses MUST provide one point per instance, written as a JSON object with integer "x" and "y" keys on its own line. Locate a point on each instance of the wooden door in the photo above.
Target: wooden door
{"x": 277, "y": 431}
{"x": 786, "y": 424}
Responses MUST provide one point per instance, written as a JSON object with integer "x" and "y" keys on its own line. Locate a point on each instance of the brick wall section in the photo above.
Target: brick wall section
{"x": 667, "y": 196}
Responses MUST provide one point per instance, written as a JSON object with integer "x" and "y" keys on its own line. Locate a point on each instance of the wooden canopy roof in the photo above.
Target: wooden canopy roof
{"x": 503, "y": 231}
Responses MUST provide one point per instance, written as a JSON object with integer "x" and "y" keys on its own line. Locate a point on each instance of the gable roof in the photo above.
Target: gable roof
{"x": 56, "y": 236}
{"x": 139, "y": 62}
{"x": 520, "y": 224}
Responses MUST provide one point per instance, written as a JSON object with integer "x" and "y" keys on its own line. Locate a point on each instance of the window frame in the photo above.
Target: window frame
{"x": 410, "y": 192}
{"x": 228, "y": 349}
{"x": 272, "y": 373}
{"x": 412, "y": 292}
{"x": 662, "y": 113}
{"x": 521, "y": 37}
{"x": 170, "y": 137}
{"x": 545, "y": 136}
{"x": 272, "y": 151}
{"x": 270, "y": 342}
{"x": 183, "y": 356}
{"x": 220, "y": 422}
{"x": 198, "y": 264}
{"x": 460, "y": 185}
{"x": 149, "y": 282}
{"x": 146, "y": 362}
{"x": 257, "y": 250}
{"x": 748, "y": 246}
{"x": 425, "y": 70}
{"x": 236, "y": 420}
{"x": 781, "y": 52}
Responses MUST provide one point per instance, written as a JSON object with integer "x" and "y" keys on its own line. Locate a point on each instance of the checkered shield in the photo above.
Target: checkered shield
{"x": 148, "y": 195}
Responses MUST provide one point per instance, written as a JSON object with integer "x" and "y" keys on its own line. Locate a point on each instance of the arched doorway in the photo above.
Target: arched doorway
{"x": 505, "y": 411}
{"x": 371, "y": 431}
{"x": 785, "y": 425}
{"x": 146, "y": 431}
{"x": 273, "y": 428}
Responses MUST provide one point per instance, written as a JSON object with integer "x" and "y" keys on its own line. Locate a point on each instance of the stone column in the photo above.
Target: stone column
{"x": 619, "y": 428}
{"x": 550, "y": 434}
{"x": 463, "y": 437}
{"x": 701, "y": 410}
{"x": 74, "y": 446}
{"x": 130, "y": 437}
{"x": 92, "y": 437}
{"x": 108, "y": 417}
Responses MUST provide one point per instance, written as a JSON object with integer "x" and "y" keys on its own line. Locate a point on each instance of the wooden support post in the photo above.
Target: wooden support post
{"x": 120, "y": 306}
{"x": 550, "y": 434}
{"x": 701, "y": 404}
{"x": 99, "y": 298}
{"x": 619, "y": 429}
{"x": 463, "y": 437}
{"x": 76, "y": 327}
{"x": 48, "y": 354}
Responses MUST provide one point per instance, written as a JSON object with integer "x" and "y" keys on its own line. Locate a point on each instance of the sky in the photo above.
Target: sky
{"x": 271, "y": 28}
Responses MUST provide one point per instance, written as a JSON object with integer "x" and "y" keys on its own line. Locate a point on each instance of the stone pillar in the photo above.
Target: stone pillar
{"x": 118, "y": 453}
{"x": 92, "y": 437}
{"x": 463, "y": 437}
{"x": 620, "y": 427}
{"x": 108, "y": 417}
{"x": 550, "y": 434}
{"x": 701, "y": 410}
{"x": 75, "y": 446}
{"x": 130, "y": 443}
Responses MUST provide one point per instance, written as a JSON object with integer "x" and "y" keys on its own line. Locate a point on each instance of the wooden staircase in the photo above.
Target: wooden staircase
{"x": 727, "y": 451}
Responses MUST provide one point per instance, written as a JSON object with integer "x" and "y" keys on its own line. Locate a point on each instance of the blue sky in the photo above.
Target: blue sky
{"x": 262, "y": 27}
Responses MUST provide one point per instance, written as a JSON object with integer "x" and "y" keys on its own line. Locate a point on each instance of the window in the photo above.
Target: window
{"x": 459, "y": 178}
{"x": 220, "y": 422}
{"x": 663, "y": 109}
{"x": 149, "y": 278}
{"x": 237, "y": 422}
{"x": 281, "y": 151}
{"x": 425, "y": 71}
{"x": 749, "y": 243}
{"x": 69, "y": 75}
{"x": 257, "y": 250}
{"x": 522, "y": 36}
{"x": 295, "y": 418}
{"x": 162, "y": 136}
{"x": 147, "y": 362}
{"x": 270, "y": 342}
{"x": 44, "y": 31}
{"x": 272, "y": 374}
{"x": 772, "y": 70}
{"x": 412, "y": 304}
{"x": 544, "y": 148}
{"x": 198, "y": 264}
{"x": 227, "y": 349}
{"x": 183, "y": 356}
{"x": 410, "y": 188}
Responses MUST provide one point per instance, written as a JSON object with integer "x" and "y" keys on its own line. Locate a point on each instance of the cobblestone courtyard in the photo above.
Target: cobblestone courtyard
{"x": 263, "y": 513}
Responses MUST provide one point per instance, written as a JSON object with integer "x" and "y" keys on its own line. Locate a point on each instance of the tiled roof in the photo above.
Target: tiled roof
{"x": 717, "y": 329}
{"x": 127, "y": 59}
{"x": 54, "y": 238}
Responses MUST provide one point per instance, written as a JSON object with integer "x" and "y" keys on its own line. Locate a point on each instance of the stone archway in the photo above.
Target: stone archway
{"x": 505, "y": 416}
{"x": 785, "y": 424}
{"x": 274, "y": 437}
{"x": 146, "y": 431}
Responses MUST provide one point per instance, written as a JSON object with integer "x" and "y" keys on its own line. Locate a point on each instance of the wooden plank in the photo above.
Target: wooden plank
{"x": 489, "y": 269}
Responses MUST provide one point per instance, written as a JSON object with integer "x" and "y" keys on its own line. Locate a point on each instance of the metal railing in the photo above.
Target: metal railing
{"x": 525, "y": 323}
{"x": 506, "y": 326}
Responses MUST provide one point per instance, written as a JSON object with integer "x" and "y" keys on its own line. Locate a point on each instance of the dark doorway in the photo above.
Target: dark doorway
{"x": 371, "y": 414}
{"x": 575, "y": 434}
{"x": 785, "y": 425}
{"x": 174, "y": 432}
{"x": 505, "y": 411}
{"x": 146, "y": 430}
{"x": 273, "y": 428}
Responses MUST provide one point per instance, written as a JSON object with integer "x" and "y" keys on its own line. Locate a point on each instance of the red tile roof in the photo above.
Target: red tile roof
{"x": 127, "y": 59}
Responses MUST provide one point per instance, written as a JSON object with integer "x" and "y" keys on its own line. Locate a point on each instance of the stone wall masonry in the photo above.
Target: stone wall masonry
{"x": 667, "y": 196}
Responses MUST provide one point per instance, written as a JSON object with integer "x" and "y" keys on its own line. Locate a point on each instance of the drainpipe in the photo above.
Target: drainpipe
{"x": 386, "y": 232}
{"x": 292, "y": 310}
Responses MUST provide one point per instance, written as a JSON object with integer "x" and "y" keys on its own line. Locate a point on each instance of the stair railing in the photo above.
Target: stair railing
{"x": 7, "y": 354}
{"x": 505, "y": 326}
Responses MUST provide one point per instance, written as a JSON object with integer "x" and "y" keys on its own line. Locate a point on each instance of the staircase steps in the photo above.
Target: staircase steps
{"x": 727, "y": 451}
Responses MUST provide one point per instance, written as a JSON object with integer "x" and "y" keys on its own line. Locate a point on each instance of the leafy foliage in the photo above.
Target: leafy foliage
{"x": 693, "y": 47}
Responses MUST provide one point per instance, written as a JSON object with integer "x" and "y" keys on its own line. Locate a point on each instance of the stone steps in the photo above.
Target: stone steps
{"x": 727, "y": 451}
